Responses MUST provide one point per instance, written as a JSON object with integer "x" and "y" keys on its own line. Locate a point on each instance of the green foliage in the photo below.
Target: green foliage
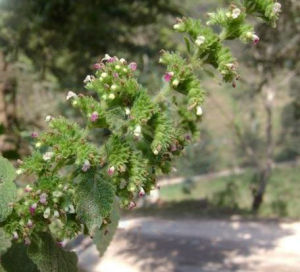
{"x": 8, "y": 193}
{"x": 4, "y": 241}
{"x": 48, "y": 256}
{"x": 104, "y": 235}
{"x": 7, "y": 171}
{"x": 16, "y": 259}
{"x": 76, "y": 181}
{"x": 94, "y": 197}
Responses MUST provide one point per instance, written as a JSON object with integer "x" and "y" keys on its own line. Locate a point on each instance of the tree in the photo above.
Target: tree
{"x": 274, "y": 63}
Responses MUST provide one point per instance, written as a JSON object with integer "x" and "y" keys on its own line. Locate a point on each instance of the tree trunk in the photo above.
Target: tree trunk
{"x": 265, "y": 171}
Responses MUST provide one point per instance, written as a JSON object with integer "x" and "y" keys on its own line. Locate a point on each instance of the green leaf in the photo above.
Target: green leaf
{"x": 187, "y": 43}
{"x": 5, "y": 242}
{"x": 7, "y": 171}
{"x": 8, "y": 193}
{"x": 49, "y": 257}
{"x": 104, "y": 236}
{"x": 16, "y": 259}
{"x": 94, "y": 201}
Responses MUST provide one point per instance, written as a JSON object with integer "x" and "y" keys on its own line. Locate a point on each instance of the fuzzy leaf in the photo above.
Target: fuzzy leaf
{"x": 4, "y": 241}
{"x": 7, "y": 171}
{"x": 8, "y": 192}
{"x": 94, "y": 201}
{"x": 104, "y": 236}
{"x": 49, "y": 257}
{"x": 16, "y": 259}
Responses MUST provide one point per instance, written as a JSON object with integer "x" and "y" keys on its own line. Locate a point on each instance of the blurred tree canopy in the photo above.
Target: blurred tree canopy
{"x": 63, "y": 37}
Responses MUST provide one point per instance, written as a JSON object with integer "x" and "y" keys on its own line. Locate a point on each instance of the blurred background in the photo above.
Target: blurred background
{"x": 233, "y": 199}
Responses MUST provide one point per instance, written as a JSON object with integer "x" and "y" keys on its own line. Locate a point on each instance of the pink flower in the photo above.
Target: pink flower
{"x": 115, "y": 75}
{"x": 97, "y": 66}
{"x": 34, "y": 134}
{"x": 15, "y": 235}
{"x": 29, "y": 224}
{"x": 32, "y": 208}
{"x": 43, "y": 198}
{"x": 168, "y": 76}
{"x": 132, "y": 205}
{"x": 111, "y": 170}
{"x": 86, "y": 166}
{"x": 133, "y": 66}
{"x": 94, "y": 116}
{"x": 173, "y": 148}
{"x": 142, "y": 192}
{"x": 113, "y": 59}
{"x": 255, "y": 39}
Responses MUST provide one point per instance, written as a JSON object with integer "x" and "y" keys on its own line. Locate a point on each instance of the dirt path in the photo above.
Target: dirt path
{"x": 151, "y": 244}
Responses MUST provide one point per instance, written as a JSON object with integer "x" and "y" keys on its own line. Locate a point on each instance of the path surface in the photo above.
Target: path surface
{"x": 151, "y": 244}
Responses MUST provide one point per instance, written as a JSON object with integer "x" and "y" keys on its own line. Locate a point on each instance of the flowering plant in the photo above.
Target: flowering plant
{"x": 79, "y": 185}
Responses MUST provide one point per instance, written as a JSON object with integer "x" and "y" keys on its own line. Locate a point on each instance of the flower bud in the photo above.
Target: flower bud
{"x": 43, "y": 198}
{"x": 94, "y": 116}
{"x": 29, "y": 224}
{"x": 127, "y": 111}
{"x": 111, "y": 170}
{"x": 47, "y": 156}
{"x": 175, "y": 82}
{"x": 38, "y": 144}
{"x": 87, "y": 79}
{"x": 70, "y": 95}
{"x": 34, "y": 134}
{"x": 28, "y": 188}
{"x": 113, "y": 87}
{"x": 47, "y": 213}
{"x": 111, "y": 96}
{"x": 104, "y": 75}
{"x": 48, "y": 118}
{"x": 32, "y": 208}
{"x": 15, "y": 235}
{"x": 133, "y": 66}
{"x": 137, "y": 131}
{"x": 199, "y": 111}
{"x": 277, "y": 8}
{"x": 200, "y": 40}
{"x": 168, "y": 76}
{"x": 20, "y": 171}
{"x": 86, "y": 166}
{"x": 235, "y": 13}
{"x": 141, "y": 192}
{"x": 132, "y": 205}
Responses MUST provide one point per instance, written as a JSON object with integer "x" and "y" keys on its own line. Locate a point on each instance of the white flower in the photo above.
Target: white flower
{"x": 47, "y": 156}
{"x": 175, "y": 82}
{"x": 48, "y": 118}
{"x": 19, "y": 171}
{"x": 125, "y": 70}
{"x": 71, "y": 208}
{"x": 155, "y": 152}
{"x": 137, "y": 131}
{"x": 200, "y": 40}
{"x": 127, "y": 111}
{"x": 70, "y": 95}
{"x": 86, "y": 166}
{"x": 87, "y": 79}
{"x": 104, "y": 75}
{"x": 277, "y": 8}
{"x": 122, "y": 60}
{"x": 47, "y": 213}
{"x": 199, "y": 111}
{"x": 56, "y": 213}
{"x": 236, "y": 13}
{"x": 113, "y": 87}
{"x": 111, "y": 96}
{"x": 106, "y": 57}
{"x": 15, "y": 235}
{"x": 38, "y": 144}
{"x": 178, "y": 26}
{"x": 117, "y": 67}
